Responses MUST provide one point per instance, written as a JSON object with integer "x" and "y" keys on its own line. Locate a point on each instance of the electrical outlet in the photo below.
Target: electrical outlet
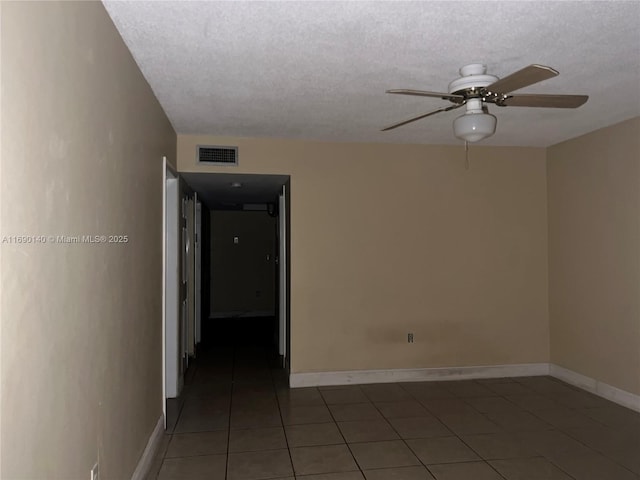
{"x": 409, "y": 337}
{"x": 95, "y": 472}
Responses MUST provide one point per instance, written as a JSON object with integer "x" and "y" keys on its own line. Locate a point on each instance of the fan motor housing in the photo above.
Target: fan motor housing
{"x": 473, "y": 78}
{"x": 471, "y": 84}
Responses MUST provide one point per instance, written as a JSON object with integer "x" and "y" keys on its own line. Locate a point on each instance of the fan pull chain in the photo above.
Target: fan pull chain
{"x": 466, "y": 155}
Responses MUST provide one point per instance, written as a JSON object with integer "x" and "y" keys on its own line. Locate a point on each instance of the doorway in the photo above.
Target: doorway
{"x": 245, "y": 267}
{"x": 232, "y": 270}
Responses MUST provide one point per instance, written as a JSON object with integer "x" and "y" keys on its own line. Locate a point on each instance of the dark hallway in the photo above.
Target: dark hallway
{"x": 240, "y": 332}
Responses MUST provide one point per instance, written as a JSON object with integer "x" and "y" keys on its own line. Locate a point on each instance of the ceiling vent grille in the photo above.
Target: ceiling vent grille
{"x": 217, "y": 155}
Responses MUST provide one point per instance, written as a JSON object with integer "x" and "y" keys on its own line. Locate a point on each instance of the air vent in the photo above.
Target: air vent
{"x": 216, "y": 155}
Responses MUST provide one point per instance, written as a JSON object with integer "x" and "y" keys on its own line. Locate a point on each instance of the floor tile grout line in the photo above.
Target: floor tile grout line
{"x": 342, "y": 434}
{"x": 164, "y": 455}
{"x": 597, "y": 451}
{"x": 284, "y": 431}
{"x": 552, "y": 462}
{"x": 403, "y": 440}
{"x": 459, "y": 437}
{"x": 482, "y": 460}
{"x": 507, "y": 432}
{"x": 480, "y": 456}
{"x": 409, "y": 446}
{"x": 233, "y": 372}
{"x": 552, "y": 428}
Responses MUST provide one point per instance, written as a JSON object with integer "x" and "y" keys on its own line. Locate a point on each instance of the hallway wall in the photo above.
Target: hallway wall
{"x": 594, "y": 254}
{"x": 82, "y": 143}
{"x": 390, "y": 239}
{"x": 242, "y": 278}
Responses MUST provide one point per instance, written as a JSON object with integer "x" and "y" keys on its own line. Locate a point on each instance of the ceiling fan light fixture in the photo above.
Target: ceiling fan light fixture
{"x": 475, "y": 89}
{"x": 473, "y": 127}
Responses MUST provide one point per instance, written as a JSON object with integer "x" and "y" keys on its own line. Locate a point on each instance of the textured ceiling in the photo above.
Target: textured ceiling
{"x": 318, "y": 70}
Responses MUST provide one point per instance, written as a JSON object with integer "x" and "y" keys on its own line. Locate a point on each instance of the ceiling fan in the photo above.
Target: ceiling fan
{"x": 476, "y": 89}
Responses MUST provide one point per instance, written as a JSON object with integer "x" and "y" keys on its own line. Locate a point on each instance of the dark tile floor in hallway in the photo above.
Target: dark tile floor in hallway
{"x": 238, "y": 420}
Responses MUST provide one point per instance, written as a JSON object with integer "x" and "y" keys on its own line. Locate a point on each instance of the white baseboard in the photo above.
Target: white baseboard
{"x": 355, "y": 377}
{"x": 360, "y": 377}
{"x": 146, "y": 460}
{"x": 604, "y": 390}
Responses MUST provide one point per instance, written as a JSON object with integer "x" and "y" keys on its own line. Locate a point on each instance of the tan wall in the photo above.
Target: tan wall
{"x": 83, "y": 138}
{"x": 594, "y": 254}
{"x": 242, "y": 277}
{"x": 391, "y": 239}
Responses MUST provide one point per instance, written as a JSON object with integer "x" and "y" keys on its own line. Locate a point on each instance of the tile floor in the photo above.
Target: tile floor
{"x": 237, "y": 420}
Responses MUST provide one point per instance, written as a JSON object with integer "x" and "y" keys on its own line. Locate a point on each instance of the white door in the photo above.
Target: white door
{"x": 184, "y": 289}
{"x": 282, "y": 265}
{"x": 172, "y": 286}
{"x": 191, "y": 290}
{"x": 198, "y": 266}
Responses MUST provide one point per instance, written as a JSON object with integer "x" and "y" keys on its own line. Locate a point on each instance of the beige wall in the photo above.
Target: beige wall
{"x": 391, "y": 239}
{"x": 242, "y": 277}
{"x": 594, "y": 254}
{"x": 83, "y": 137}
